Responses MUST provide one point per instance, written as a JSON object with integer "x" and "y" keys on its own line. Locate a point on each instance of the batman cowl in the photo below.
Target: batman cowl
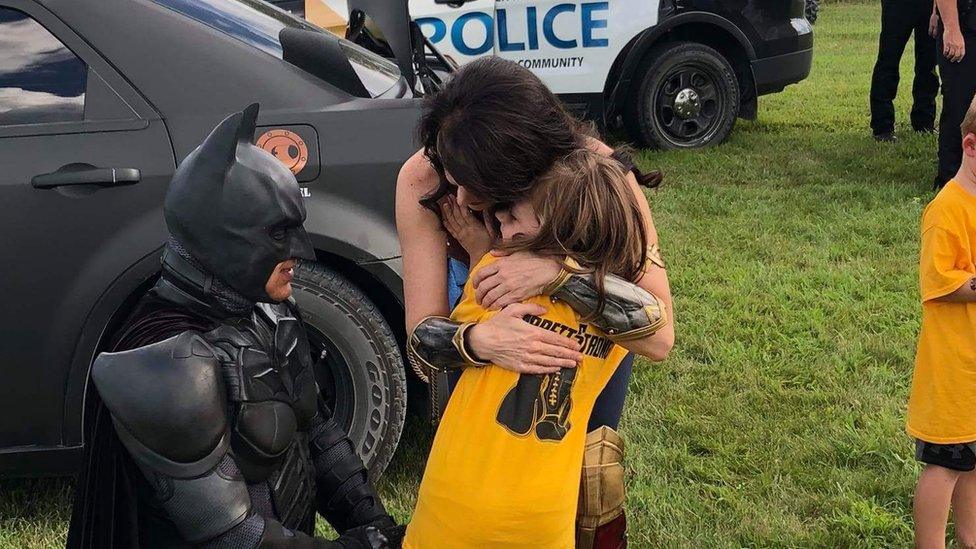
{"x": 236, "y": 210}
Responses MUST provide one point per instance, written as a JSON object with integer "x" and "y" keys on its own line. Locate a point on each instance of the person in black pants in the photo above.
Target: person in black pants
{"x": 957, "y": 64}
{"x": 899, "y": 19}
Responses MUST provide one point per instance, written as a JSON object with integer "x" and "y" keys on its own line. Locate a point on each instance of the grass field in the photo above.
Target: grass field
{"x": 778, "y": 419}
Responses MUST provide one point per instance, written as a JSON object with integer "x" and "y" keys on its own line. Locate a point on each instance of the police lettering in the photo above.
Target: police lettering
{"x": 590, "y": 33}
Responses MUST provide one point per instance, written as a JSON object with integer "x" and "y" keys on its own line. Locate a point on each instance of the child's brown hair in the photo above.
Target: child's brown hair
{"x": 969, "y": 122}
{"x": 588, "y": 211}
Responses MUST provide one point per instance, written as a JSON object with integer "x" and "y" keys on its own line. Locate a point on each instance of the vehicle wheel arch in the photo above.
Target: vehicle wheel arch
{"x": 105, "y": 318}
{"x": 383, "y": 297}
{"x": 706, "y": 28}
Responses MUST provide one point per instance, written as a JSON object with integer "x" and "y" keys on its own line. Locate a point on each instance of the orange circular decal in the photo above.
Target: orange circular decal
{"x": 286, "y": 146}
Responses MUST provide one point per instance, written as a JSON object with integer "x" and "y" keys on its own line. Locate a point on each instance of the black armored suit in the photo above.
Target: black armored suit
{"x": 212, "y": 392}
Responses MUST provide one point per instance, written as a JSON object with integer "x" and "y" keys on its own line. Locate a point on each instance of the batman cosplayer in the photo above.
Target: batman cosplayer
{"x": 210, "y": 430}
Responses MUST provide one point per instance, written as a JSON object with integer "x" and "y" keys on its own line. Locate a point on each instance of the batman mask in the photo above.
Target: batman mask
{"x": 237, "y": 209}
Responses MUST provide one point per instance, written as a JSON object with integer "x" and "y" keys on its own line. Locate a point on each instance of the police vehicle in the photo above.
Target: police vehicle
{"x": 674, "y": 73}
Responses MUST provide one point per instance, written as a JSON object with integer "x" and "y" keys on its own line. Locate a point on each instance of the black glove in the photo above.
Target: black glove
{"x": 363, "y": 537}
{"x": 390, "y": 529}
{"x": 395, "y": 535}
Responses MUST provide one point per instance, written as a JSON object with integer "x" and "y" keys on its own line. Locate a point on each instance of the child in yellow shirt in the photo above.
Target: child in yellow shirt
{"x": 942, "y": 406}
{"x": 504, "y": 468}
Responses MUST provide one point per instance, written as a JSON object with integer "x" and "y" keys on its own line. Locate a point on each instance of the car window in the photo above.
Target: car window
{"x": 41, "y": 80}
{"x": 258, "y": 23}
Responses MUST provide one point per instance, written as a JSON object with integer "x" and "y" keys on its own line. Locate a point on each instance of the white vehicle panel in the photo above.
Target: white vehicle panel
{"x": 571, "y": 45}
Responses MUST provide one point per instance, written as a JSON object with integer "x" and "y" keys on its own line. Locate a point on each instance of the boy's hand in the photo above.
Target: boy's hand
{"x": 467, "y": 228}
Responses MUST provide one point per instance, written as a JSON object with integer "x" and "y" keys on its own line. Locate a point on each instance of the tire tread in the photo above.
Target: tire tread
{"x": 354, "y": 300}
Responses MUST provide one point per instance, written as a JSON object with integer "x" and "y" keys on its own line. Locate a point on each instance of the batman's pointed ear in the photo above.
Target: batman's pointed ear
{"x": 220, "y": 147}
{"x": 245, "y": 131}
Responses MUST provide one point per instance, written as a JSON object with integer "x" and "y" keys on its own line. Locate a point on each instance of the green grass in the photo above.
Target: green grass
{"x": 792, "y": 250}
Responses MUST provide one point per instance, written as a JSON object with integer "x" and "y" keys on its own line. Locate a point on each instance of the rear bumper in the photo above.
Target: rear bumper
{"x": 772, "y": 74}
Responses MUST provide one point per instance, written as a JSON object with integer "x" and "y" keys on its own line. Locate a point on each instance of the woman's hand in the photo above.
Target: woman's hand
{"x": 934, "y": 23}
{"x": 508, "y": 341}
{"x": 467, "y": 228}
{"x": 513, "y": 279}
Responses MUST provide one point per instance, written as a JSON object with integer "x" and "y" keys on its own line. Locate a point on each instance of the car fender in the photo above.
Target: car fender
{"x": 109, "y": 310}
{"x": 363, "y": 238}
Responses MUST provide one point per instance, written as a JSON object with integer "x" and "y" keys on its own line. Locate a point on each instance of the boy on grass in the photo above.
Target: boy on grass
{"x": 942, "y": 406}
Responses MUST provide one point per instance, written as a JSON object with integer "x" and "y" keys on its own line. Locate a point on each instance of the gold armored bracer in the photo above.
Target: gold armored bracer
{"x": 437, "y": 345}
{"x": 629, "y": 312}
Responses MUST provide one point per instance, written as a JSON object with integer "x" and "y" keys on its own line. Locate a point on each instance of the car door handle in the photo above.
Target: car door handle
{"x": 86, "y": 175}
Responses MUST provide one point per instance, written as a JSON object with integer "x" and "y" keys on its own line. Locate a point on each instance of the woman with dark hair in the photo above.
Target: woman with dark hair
{"x": 487, "y": 138}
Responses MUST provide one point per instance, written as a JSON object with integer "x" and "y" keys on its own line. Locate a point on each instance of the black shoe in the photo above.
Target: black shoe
{"x": 924, "y": 129}
{"x": 888, "y": 137}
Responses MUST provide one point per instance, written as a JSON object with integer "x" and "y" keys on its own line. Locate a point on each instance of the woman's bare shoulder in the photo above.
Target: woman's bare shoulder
{"x": 417, "y": 177}
{"x": 416, "y": 180}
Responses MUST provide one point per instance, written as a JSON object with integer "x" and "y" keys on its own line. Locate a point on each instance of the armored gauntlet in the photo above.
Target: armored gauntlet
{"x": 437, "y": 345}
{"x": 623, "y": 310}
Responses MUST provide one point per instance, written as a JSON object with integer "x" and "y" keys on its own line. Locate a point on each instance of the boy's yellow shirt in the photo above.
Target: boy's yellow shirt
{"x": 942, "y": 406}
{"x": 504, "y": 469}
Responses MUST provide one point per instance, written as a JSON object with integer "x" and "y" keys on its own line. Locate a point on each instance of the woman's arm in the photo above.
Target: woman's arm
{"x": 504, "y": 340}
{"x": 655, "y": 280}
{"x": 522, "y": 275}
{"x": 423, "y": 244}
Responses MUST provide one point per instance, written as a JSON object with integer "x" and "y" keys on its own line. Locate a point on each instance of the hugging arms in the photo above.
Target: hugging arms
{"x": 505, "y": 339}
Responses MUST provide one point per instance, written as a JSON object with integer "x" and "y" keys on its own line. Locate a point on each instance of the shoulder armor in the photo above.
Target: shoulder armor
{"x": 226, "y": 333}
{"x": 168, "y": 403}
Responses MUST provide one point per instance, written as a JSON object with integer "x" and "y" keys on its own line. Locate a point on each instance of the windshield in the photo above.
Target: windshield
{"x": 258, "y": 23}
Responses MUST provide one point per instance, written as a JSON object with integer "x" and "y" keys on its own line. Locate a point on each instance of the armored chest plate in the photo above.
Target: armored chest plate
{"x": 272, "y": 398}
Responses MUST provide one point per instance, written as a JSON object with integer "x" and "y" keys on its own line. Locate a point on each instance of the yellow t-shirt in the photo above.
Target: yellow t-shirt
{"x": 505, "y": 465}
{"x": 942, "y": 406}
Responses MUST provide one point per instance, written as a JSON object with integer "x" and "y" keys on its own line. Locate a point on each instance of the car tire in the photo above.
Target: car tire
{"x": 812, "y": 10}
{"x": 687, "y": 96}
{"x": 361, "y": 375}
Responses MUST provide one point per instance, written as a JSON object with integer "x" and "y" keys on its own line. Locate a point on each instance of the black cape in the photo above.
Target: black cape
{"x": 104, "y": 514}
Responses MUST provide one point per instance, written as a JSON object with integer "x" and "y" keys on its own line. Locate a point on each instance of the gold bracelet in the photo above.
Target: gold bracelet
{"x": 462, "y": 347}
{"x": 562, "y": 277}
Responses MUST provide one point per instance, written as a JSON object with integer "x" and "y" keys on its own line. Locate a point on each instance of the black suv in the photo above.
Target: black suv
{"x": 99, "y": 101}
